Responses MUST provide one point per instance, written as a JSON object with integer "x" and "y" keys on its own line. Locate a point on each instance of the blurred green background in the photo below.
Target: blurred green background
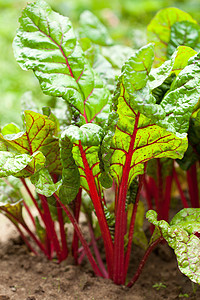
{"x": 126, "y": 21}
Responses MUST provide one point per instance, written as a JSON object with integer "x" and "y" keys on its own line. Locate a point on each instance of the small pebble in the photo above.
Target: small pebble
{"x": 13, "y": 288}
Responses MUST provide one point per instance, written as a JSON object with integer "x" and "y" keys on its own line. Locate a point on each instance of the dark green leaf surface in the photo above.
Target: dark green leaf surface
{"x": 184, "y": 33}
{"x": 180, "y": 235}
{"x": 46, "y": 43}
{"x": 159, "y": 30}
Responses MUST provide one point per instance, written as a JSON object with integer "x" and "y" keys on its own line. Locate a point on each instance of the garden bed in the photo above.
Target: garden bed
{"x": 27, "y": 277}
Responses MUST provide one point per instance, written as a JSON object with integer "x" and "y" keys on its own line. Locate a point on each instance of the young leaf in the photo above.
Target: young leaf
{"x": 180, "y": 235}
{"x": 92, "y": 28}
{"x": 38, "y": 137}
{"x": 46, "y": 43}
{"x": 11, "y": 164}
{"x": 159, "y": 30}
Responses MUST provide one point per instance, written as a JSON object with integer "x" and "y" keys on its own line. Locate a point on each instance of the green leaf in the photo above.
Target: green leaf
{"x": 175, "y": 64}
{"x": 10, "y": 129}
{"x": 44, "y": 184}
{"x": 117, "y": 54}
{"x": 159, "y": 30}
{"x": 70, "y": 174}
{"x": 193, "y": 152}
{"x": 180, "y": 235}
{"x": 138, "y": 138}
{"x": 84, "y": 143}
{"x": 11, "y": 164}
{"x": 92, "y": 28}
{"x": 37, "y": 137}
{"x": 10, "y": 191}
{"x": 184, "y": 94}
{"x": 46, "y": 43}
{"x": 184, "y": 33}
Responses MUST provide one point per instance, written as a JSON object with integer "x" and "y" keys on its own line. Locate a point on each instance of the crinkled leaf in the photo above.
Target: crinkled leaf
{"x": 46, "y": 43}
{"x": 184, "y": 33}
{"x": 38, "y": 136}
{"x": 180, "y": 235}
{"x": 184, "y": 94}
{"x": 92, "y": 28}
{"x": 159, "y": 30}
{"x": 138, "y": 138}
{"x": 44, "y": 184}
{"x": 11, "y": 164}
{"x": 175, "y": 64}
{"x": 70, "y": 174}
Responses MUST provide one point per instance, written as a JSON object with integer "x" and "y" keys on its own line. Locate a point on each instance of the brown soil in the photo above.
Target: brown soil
{"x": 27, "y": 277}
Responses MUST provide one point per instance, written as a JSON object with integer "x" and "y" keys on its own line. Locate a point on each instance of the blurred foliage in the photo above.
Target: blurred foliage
{"x": 126, "y": 21}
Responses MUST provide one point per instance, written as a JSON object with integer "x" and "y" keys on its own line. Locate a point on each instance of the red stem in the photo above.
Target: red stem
{"x": 96, "y": 199}
{"x": 147, "y": 193}
{"x": 29, "y": 213}
{"x": 32, "y": 198}
{"x": 143, "y": 261}
{"x": 62, "y": 231}
{"x": 28, "y": 231}
{"x": 132, "y": 225}
{"x": 166, "y": 205}
{"x": 193, "y": 186}
{"x": 80, "y": 235}
{"x": 96, "y": 251}
{"x": 75, "y": 236}
{"x": 118, "y": 268}
{"x": 154, "y": 191}
{"x": 160, "y": 189}
{"x": 50, "y": 227}
{"x": 183, "y": 198}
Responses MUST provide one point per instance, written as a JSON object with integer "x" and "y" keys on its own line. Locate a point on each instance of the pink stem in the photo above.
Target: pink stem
{"x": 75, "y": 236}
{"x": 50, "y": 227}
{"x": 80, "y": 235}
{"x": 143, "y": 261}
{"x": 62, "y": 231}
{"x": 29, "y": 213}
{"x": 132, "y": 225}
{"x": 96, "y": 251}
{"x": 28, "y": 231}
{"x": 183, "y": 198}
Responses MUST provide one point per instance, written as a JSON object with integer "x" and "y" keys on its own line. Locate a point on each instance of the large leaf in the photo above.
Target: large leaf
{"x": 159, "y": 30}
{"x": 184, "y": 33}
{"x": 37, "y": 138}
{"x": 91, "y": 27}
{"x": 146, "y": 130}
{"x": 180, "y": 235}
{"x": 46, "y": 43}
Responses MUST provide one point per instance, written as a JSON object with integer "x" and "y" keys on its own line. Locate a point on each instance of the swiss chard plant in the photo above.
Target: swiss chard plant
{"x": 128, "y": 114}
